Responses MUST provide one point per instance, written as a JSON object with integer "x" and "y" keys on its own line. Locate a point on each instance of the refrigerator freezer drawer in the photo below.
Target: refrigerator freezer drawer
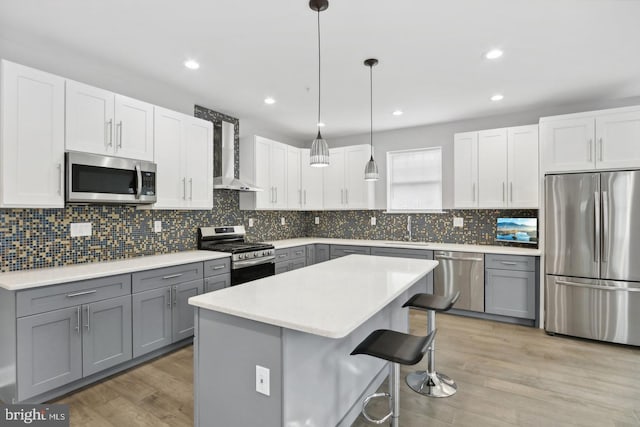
{"x": 603, "y": 310}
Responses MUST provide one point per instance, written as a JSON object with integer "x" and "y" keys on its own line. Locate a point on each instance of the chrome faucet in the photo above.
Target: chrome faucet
{"x": 409, "y": 226}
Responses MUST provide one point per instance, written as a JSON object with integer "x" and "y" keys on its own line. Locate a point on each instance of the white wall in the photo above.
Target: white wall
{"x": 442, "y": 135}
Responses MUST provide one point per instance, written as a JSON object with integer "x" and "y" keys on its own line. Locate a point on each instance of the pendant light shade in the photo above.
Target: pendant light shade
{"x": 319, "y": 155}
{"x": 371, "y": 169}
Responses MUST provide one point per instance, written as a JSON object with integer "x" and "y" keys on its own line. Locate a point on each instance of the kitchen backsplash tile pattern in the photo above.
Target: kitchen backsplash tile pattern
{"x": 38, "y": 238}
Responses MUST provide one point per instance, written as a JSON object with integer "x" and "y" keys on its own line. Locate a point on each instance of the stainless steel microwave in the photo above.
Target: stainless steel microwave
{"x": 92, "y": 178}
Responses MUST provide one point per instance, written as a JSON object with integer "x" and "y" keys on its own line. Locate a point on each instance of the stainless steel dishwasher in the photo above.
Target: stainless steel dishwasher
{"x": 464, "y": 272}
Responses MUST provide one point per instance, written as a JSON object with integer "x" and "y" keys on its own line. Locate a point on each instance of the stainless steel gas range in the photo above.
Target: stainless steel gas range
{"x": 249, "y": 261}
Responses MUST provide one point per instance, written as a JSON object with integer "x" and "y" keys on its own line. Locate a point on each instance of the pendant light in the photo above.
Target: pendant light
{"x": 319, "y": 155}
{"x": 371, "y": 169}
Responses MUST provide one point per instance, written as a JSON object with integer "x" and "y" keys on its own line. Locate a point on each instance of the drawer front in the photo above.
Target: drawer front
{"x": 55, "y": 297}
{"x": 282, "y": 255}
{"x": 215, "y": 283}
{"x": 297, "y": 252}
{"x": 153, "y": 279}
{"x": 342, "y": 250}
{"x": 282, "y": 267}
{"x": 297, "y": 263}
{"x": 217, "y": 266}
{"x": 403, "y": 253}
{"x": 510, "y": 262}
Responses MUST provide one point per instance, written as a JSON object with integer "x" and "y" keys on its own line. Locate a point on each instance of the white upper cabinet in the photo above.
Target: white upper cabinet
{"x": 465, "y": 170}
{"x": 294, "y": 189}
{"x": 492, "y": 168}
{"x": 344, "y": 184}
{"x": 594, "y": 140}
{"x": 496, "y": 168}
{"x": 311, "y": 183}
{"x": 31, "y": 137}
{"x": 522, "y": 166}
{"x": 184, "y": 156}
{"x": 263, "y": 162}
{"x": 101, "y": 122}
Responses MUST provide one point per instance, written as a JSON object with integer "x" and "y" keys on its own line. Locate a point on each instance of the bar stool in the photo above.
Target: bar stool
{"x": 399, "y": 349}
{"x": 430, "y": 382}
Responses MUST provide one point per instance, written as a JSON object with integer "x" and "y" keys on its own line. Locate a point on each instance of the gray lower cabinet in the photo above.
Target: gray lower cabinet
{"x": 338, "y": 251}
{"x": 407, "y": 253}
{"x": 281, "y": 267}
{"x": 183, "y": 316}
{"x": 311, "y": 254}
{"x": 49, "y": 351}
{"x": 322, "y": 253}
{"x": 214, "y": 283}
{"x": 291, "y": 259}
{"x": 510, "y": 285}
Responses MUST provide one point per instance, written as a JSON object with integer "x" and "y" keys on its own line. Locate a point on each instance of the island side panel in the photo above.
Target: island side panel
{"x": 323, "y": 384}
{"x": 228, "y": 348}
{"x": 8, "y": 392}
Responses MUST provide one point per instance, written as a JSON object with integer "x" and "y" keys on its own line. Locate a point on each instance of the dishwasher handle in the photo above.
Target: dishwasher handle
{"x": 458, "y": 258}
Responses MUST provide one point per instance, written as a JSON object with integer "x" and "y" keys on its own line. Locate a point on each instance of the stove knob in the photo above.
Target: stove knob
{"x": 240, "y": 256}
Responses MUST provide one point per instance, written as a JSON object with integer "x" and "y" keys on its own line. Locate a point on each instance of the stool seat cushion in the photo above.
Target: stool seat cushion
{"x": 432, "y": 302}
{"x": 394, "y": 346}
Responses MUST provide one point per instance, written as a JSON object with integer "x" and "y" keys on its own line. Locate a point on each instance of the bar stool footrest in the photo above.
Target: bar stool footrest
{"x": 366, "y": 402}
{"x": 431, "y": 384}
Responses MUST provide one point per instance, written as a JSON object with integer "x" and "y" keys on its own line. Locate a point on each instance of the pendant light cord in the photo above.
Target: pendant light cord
{"x": 371, "y": 105}
{"x": 319, "y": 70}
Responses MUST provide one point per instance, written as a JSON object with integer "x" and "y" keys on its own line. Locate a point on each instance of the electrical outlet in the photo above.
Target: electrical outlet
{"x": 458, "y": 222}
{"x": 262, "y": 380}
{"x": 157, "y": 226}
{"x": 250, "y": 222}
{"x": 316, "y": 220}
{"x": 283, "y": 221}
{"x": 80, "y": 229}
{"x": 373, "y": 220}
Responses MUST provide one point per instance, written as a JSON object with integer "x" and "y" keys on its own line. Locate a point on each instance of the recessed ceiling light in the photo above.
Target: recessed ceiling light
{"x": 269, "y": 101}
{"x": 397, "y": 113}
{"x": 320, "y": 124}
{"x": 191, "y": 64}
{"x": 497, "y": 97}
{"x": 494, "y": 54}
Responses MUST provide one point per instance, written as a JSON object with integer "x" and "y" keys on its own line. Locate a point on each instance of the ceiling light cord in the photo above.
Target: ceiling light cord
{"x": 371, "y": 108}
{"x": 319, "y": 71}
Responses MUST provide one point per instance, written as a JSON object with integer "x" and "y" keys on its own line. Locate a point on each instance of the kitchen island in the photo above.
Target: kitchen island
{"x": 301, "y": 326}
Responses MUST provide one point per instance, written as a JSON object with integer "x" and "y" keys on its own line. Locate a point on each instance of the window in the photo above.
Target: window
{"x": 414, "y": 182}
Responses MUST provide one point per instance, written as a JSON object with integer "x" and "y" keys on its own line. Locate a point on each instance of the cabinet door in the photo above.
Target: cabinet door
{"x": 522, "y": 166}
{"x": 49, "y": 351}
{"x": 322, "y": 253}
{"x": 199, "y": 163}
{"x": 133, "y": 128}
{"x": 214, "y": 283}
{"x": 618, "y": 140}
{"x": 311, "y": 183}
{"x": 358, "y": 192}
{"x": 262, "y": 154}
{"x": 106, "y": 339}
{"x": 297, "y": 263}
{"x": 32, "y": 137}
{"x": 279, "y": 174}
{"x": 492, "y": 168}
{"x": 282, "y": 267}
{"x": 510, "y": 293}
{"x": 151, "y": 320}
{"x": 465, "y": 170}
{"x": 89, "y": 119}
{"x": 183, "y": 315}
{"x": 294, "y": 190}
{"x": 311, "y": 254}
{"x": 169, "y": 156}
{"x": 334, "y": 180}
{"x": 567, "y": 145}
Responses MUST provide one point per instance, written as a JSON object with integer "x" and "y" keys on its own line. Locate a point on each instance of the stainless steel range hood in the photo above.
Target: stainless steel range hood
{"x": 224, "y": 165}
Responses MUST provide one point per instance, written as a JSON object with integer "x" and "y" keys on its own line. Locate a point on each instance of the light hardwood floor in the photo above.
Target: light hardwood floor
{"x": 507, "y": 375}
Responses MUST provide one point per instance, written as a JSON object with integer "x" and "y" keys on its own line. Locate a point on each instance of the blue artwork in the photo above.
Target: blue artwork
{"x": 517, "y": 230}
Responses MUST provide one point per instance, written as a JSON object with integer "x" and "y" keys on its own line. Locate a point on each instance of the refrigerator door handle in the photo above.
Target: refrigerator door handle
{"x": 600, "y": 287}
{"x": 605, "y": 226}
{"x": 596, "y": 226}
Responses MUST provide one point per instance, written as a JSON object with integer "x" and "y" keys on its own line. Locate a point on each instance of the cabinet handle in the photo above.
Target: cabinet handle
{"x": 190, "y": 188}
{"x": 348, "y": 251}
{"x": 169, "y": 303}
{"x": 175, "y": 295}
{"x": 305, "y": 197}
{"x": 342, "y": 196}
{"x": 77, "y": 319}
{"x": 590, "y": 149}
{"x": 110, "y": 133}
{"x": 473, "y": 191}
{"x": 88, "y": 315}
{"x": 503, "y": 185}
{"x": 77, "y": 294}
{"x": 282, "y": 256}
{"x": 172, "y": 276}
{"x": 600, "y": 142}
{"x": 184, "y": 188}
{"x": 299, "y": 253}
{"x": 508, "y": 263}
{"x": 120, "y": 134}
{"x": 218, "y": 267}
{"x": 60, "y": 177}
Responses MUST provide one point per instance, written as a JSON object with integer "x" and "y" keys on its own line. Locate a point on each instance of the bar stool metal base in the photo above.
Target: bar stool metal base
{"x": 431, "y": 384}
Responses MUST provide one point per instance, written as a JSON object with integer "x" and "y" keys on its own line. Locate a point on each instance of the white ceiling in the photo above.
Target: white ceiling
{"x": 430, "y": 52}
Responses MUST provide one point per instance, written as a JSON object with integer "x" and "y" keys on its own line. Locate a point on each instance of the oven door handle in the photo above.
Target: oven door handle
{"x": 251, "y": 262}
{"x": 139, "y": 178}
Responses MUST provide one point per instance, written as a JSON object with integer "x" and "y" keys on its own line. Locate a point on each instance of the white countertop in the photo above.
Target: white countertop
{"x": 26, "y": 279}
{"x": 330, "y": 299}
{"x": 486, "y": 249}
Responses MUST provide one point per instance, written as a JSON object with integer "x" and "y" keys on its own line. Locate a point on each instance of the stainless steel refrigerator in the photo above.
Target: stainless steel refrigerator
{"x": 592, "y": 255}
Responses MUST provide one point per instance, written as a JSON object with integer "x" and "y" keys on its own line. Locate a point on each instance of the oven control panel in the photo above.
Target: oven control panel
{"x": 262, "y": 253}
